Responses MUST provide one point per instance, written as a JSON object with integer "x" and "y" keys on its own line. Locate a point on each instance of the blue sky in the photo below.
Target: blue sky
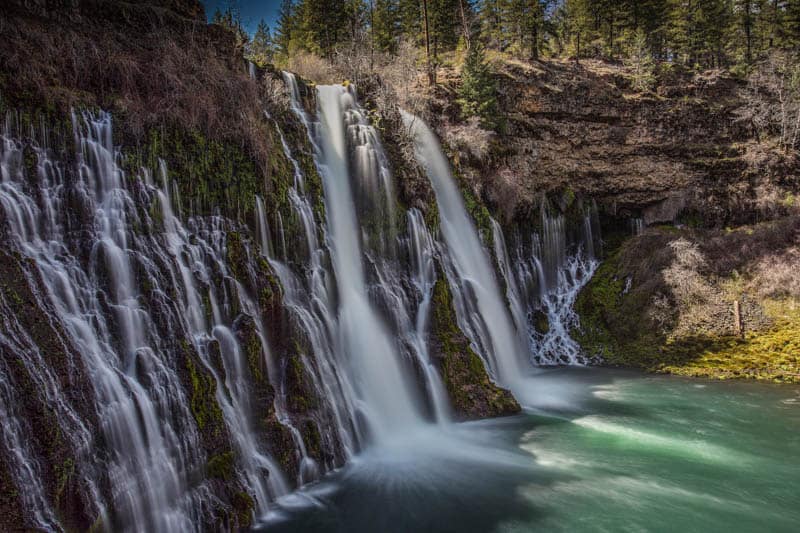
{"x": 252, "y": 11}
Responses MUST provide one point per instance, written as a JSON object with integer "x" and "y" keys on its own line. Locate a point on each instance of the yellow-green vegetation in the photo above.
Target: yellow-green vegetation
{"x": 300, "y": 397}
{"x": 472, "y": 393}
{"x": 243, "y": 506}
{"x": 656, "y": 323}
{"x": 312, "y": 439}
{"x": 772, "y": 354}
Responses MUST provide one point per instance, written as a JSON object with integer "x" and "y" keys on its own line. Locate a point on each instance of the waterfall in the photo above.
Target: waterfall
{"x": 380, "y": 319}
{"x": 263, "y": 228}
{"x": 91, "y": 288}
{"x": 126, "y": 289}
{"x": 542, "y": 284}
{"x": 199, "y": 257}
{"x": 543, "y": 279}
{"x": 387, "y": 402}
{"x": 637, "y": 226}
{"x": 485, "y": 316}
{"x": 422, "y": 250}
{"x": 155, "y": 313}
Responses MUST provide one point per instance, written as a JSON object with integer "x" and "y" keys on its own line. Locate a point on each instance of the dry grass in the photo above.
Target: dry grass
{"x": 148, "y": 64}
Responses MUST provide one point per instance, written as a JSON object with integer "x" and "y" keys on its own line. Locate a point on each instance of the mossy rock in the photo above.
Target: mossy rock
{"x": 202, "y": 397}
{"x": 243, "y": 508}
{"x": 472, "y": 393}
{"x": 222, "y": 466}
{"x": 615, "y": 324}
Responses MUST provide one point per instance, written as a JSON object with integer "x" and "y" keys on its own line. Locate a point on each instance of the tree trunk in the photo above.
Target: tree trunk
{"x": 465, "y": 25}
{"x": 431, "y": 75}
{"x": 738, "y": 325}
{"x": 747, "y": 31}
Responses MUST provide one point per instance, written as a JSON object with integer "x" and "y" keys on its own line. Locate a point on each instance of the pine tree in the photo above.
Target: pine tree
{"x": 410, "y": 15}
{"x": 792, "y": 23}
{"x": 640, "y": 61}
{"x": 477, "y": 94}
{"x": 231, "y": 19}
{"x": 492, "y": 28}
{"x": 386, "y": 25}
{"x": 260, "y": 50}
{"x": 285, "y": 29}
{"x": 444, "y": 25}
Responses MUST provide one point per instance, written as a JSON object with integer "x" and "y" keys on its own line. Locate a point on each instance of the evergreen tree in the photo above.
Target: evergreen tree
{"x": 231, "y": 19}
{"x": 410, "y": 17}
{"x": 640, "y": 61}
{"x": 444, "y": 25}
{"x": 386, "y": 25}
{"x": 287, "y": 25}
{"x": 492, "y": 27}
{"x": 791, "y": 26}
{"x": 260, "y": 50}
{"x": 477, "y": 94}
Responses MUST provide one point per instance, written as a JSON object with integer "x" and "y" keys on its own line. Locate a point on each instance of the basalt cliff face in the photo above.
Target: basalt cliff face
{"x": 685, "y": 152}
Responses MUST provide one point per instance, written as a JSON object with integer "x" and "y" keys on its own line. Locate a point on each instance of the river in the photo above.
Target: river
{"x": 601, "y": 450}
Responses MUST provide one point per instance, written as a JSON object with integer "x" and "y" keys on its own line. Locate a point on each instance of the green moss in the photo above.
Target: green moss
{"x": 222, "y": 466}
{"x": 772, "y": 354}
{"x": 64, "y": 474}
{"x": 251, "y": 343}
{"x": 243, "y": 507}
{"x": 599, "y": 307}
{"x": 312, "y": 439}
{"x": 202, "y": 398}
{"x": 471, "y": 391}
{"x": 237, "y": 256}
{"x": 210, "y": 173}
{"x": 301, "y": 396}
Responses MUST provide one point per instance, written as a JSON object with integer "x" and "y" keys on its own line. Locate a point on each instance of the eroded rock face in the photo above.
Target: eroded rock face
{"x": 672, "y": 153}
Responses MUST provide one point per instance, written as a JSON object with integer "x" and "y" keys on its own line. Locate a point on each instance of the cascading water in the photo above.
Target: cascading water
{"x": 125, "y": 298}
{"x": 482, "y": 312}
{"x": 348, "y": 154}
{"x": 91, "y": 287}
{"x": 200, "y": 255}
{"x": 135, "y": 287}
{"x": 543, "y": 282}
{"x": 546, "y": 279}
{"x": 386, "y": 399}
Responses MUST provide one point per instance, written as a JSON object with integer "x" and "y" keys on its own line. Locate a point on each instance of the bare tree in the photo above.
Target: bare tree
{"x": 772, "y": 100}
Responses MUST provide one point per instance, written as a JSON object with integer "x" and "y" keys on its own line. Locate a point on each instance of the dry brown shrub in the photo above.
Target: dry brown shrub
{"x": 777, "y": 275}
{"x": 470, "y": 138}
{"x": 148, "y": 64}
{"x": 312, "y": 67}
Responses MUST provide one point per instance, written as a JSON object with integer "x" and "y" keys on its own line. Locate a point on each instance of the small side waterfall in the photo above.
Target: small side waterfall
{"x": 542, "y": 283}
{"x": 484, "y": 314}
{"x": 541, "y": 279}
